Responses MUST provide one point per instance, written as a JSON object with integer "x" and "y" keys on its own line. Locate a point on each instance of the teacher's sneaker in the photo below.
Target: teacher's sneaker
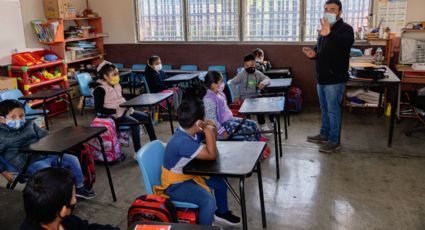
{"x": 85, "y": 193}
{"x": 329, "y": 147}
{"x": 227, "y": 218}
{"x": 318, "y": 139}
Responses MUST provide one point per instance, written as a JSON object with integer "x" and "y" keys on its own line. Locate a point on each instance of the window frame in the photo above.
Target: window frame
{"x": 241, "y": 28}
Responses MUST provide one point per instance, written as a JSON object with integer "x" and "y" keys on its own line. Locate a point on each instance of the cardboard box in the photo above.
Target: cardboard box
{"x": 55, "y": 8}
{"x": 8, "y": 83}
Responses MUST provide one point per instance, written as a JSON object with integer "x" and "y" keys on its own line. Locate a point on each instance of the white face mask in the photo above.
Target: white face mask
{"x": 330, "y": 17}
{"x": 158, "y": 67}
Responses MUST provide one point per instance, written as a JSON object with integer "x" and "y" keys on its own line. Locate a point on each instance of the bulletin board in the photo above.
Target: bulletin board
{"x": 393, "y": 14}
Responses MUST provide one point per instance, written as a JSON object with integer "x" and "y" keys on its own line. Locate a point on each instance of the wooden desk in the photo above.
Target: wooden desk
{"x": 272, "y": 106}
{"x": 49, "y": 95}
{"x": 235, "y": 159}
{"x": 151, "y": 99}
{"x": 61, "y": 141}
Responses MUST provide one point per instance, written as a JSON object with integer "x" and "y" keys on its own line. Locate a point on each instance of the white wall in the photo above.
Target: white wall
{"x": 119, "y": 17}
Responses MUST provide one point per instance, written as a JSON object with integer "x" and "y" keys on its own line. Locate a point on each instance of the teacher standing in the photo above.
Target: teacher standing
{"x": 332, "y": 54}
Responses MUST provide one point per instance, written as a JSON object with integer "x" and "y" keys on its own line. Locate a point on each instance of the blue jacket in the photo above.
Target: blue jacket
{"x": 12, "y": 140}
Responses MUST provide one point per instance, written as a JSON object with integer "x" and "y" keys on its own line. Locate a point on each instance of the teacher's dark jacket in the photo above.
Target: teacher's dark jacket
{"x": 333, "y": 54}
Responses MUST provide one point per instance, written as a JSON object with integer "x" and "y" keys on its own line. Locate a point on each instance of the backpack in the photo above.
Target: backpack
{"x": 87, "y": 165}
{"x": 150, "y": 208}
{"x": 294, "y": 99}
{"x": 110, "y": 141}
{"x": 234, "y": 107}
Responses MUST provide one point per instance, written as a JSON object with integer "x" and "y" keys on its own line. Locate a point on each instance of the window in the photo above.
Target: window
{"x": 213, "y": 20}
{"x": 160, "y": 20}
{"x": 272, "y": 20}
{"x": 354, "y": 12}
{"x": 239, "y": 20}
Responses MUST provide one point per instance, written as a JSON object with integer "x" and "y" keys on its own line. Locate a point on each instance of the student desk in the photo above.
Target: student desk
{"x": 236, "y": 159}
{"x": 391, "y": 84}
{"x": 47, "y": 96}
{"x": 12, "y": 211}
{"x": 271, "y": 106}
{"x": 127, "y": 74}
{"x": 177, "y": 226}
{"x": 184, "y": 78}
{"x": 277, "y": 85}
{"x": 280, "y": 83}
{"x": 278, "y": 73}
{"x": 151, "y": 99}
{"x": 63, "y": 140}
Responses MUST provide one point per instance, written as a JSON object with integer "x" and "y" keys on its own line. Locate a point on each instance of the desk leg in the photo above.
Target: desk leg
{"x": 260, "y": 187}
{"x": 45, "y": 114}
{"x": 24, "y": 170}
{"x": 280, "y": 134}
{"x": 276, "y": 147}
{"x": 243, "y": 204}
{"x": 286, "y": 125}
{"x": 105, "y": 160}
{"x": 393, "y": 115}
{"x": 72, "y": 108}
{"x": 170, "y": 115}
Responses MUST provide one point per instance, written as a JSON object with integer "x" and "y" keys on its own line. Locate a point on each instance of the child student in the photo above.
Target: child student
{"x": 261, "y": 64}
{"x": 15, "y": 133}
{"x": 49, "y": 200}
{"x": 108, "y": 97}
{"x": 184, "y": 146}
{"x": 155, "y": 77}
{"x": 217, "y": 110}
{"x": 247, "y": 84}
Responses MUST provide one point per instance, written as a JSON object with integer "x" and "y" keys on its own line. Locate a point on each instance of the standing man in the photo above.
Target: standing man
{"x": 332, "y": 54}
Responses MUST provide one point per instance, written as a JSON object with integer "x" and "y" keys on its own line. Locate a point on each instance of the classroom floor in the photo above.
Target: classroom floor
{"x": 365, "y": 186}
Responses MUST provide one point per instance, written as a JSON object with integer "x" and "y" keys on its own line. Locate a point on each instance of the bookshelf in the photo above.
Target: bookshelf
{"x": 61, "y": 42}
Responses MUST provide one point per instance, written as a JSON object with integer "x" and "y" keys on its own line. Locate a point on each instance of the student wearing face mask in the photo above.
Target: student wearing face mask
{"x": 261, "y": 64}
{"x": 332, "y": 54}
{"x": 156, "y": 76}
{"x": 15, "y": 133}
{"x": 49, "y": 202}
{"x": 108, "y": 97}
{"x": 217, "y": 110}
{"x": 248, "y": 83}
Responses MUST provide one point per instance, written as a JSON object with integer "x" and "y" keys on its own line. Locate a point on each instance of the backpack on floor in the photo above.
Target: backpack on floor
{"x": 87, "y": 165}
{"x": 187, "y": 216}
{"x": 235, "y": 106}
{"x": 150, "y": 208}
{"x": 295, "y": 99}
{"x": 110, "y": 141}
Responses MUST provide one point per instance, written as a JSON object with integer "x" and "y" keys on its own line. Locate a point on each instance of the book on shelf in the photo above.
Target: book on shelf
{"x": 45, "y": 31}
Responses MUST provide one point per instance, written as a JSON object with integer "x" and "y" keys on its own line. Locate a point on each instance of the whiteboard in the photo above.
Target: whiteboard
{"x": 12, "y": 35}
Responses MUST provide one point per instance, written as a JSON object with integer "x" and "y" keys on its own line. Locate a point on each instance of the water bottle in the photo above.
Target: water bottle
{"x": 379, "y": 57}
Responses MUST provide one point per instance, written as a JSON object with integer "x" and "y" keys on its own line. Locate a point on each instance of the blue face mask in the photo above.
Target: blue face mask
{"x": 15, "y": 124}
{"x": 330, "y": 17}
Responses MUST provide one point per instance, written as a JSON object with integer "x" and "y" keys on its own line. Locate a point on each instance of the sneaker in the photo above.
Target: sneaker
{"x": 267, "y": 128}
{"x": 227, "y": 218}
{"x": 85, "y": 193}
{"x": 329, "y": 147}
{"x": 318, "y": 139}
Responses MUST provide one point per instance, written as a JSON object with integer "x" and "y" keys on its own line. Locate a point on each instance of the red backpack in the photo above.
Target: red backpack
{"x": 152, "y": 208}
{"x": 87, "y": 167}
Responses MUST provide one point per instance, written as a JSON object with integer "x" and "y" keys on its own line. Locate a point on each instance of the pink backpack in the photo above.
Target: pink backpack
{"x": 110, "y": 141}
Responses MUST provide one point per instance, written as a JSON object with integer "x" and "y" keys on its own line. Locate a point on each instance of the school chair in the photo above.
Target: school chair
{"x": 136, "y": 78}
{"x": 119, "y": 65}
{"x": 84, "y": 80}
{"x": 15, "y": 94}
{"x": 150, "y": 159}
{"x": 221, "y": 69}
{"x": 189, "y": 67}
{"x": 231, "y": 91}
{"x": 167, "y": 67}
{"x": 418, "y": 107}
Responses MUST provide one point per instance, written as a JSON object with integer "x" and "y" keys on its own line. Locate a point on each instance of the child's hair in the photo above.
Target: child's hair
{"x": 153, "y": 59}
{"x": 46, "y": 193}
{"x": 212, "y": 77}
{"x": 249, "y": 57}
{"x": 8, "y": 105}
{"x": 100, "y": 75}
{"x": 199, "y": 89}
{"x": 257, "y": 52}
{"x": 190, "y": 111}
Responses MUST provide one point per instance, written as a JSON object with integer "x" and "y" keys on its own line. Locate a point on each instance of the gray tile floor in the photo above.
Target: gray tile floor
{"x": 365, "y": 186}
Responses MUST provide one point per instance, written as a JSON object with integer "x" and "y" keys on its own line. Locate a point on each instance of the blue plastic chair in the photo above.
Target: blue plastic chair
{"x": 145, "y": 83}
{"x": 189, "y": 67}
{"x": 14, "y": 94}
{"x": 221, "y": 69}
{"x": 137, "y": 78}
{"x": 119, "y": 65}
{"x": 83, "y": 80}
{"x": 150, "y": 158}
{"x": 167, "y": 67}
